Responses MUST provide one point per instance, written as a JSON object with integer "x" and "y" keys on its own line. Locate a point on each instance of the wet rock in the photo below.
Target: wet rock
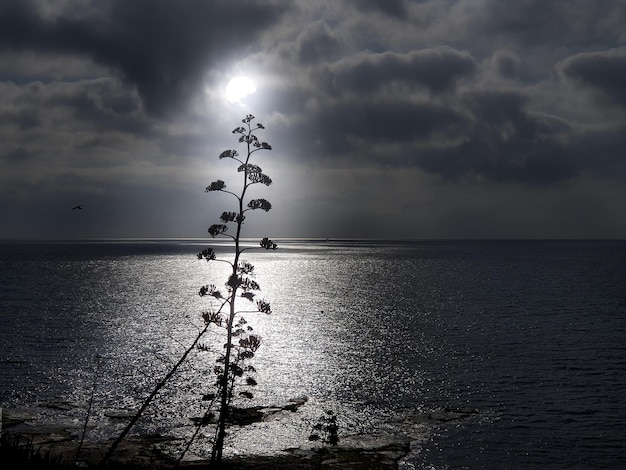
{"x": 251, "y": 415}
{"x": 14, "y": 417}
{"x": 119, "y": 414}
{"x": 58, "y": 405}
{"x": 377, "y": 450}
{"x": 295, "y": 404}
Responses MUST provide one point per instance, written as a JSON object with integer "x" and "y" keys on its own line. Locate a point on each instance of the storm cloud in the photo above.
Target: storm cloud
{"x": 430, "y": 113}
{"x": 604, "y": 72}
{"x": 161, "y": 49}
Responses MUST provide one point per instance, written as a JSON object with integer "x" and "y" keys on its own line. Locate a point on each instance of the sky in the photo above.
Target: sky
{"x": 398, "y": 119}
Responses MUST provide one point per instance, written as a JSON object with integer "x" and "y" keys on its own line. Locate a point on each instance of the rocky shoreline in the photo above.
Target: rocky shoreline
{"x": 371, "y": 451}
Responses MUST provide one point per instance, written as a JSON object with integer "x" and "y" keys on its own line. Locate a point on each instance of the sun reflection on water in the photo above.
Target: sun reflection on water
{"x": 333, "y": 337}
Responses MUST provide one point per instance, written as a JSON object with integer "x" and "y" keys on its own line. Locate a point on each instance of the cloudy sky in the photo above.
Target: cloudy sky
{"x": 419, "y": 119}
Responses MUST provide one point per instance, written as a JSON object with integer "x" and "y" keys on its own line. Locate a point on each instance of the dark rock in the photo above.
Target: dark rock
{"x": 119, "y": 414}
{"x": 58, "y": 405}
{"x": 251, "y": 415}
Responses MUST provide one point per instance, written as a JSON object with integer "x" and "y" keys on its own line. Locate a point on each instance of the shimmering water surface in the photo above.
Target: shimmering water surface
{"x": 530, "y": 333}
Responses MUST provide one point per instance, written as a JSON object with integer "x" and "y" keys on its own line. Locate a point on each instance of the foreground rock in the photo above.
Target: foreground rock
{"x": 372, "y": 451}
{"x": 144, "y": 453}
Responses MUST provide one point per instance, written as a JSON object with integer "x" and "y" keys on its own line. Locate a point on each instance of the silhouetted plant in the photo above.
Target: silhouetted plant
{"x": 89, "y": 407}
{"x": 326, "y": 429}
{"x": 19, "y": 451}
{"x": 241, "y": 343}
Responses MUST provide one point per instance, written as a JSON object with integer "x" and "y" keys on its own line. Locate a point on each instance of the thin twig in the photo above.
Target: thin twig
{"x": 93, "y": 392}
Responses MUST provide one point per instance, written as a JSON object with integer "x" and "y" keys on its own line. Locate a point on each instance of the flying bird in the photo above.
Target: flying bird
{"x": 79, "y": 207}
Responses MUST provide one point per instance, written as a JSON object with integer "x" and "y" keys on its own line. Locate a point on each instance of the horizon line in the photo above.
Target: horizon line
{"x": 308, "y": 239}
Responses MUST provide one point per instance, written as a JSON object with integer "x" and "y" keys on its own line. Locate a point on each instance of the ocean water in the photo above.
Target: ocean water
{"x": 530, "y": 334}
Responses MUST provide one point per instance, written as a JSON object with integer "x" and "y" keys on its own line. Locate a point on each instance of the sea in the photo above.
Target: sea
{"x": 525, "y": 338}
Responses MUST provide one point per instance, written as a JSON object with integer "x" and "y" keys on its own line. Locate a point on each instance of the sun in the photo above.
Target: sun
{"x": 238, "y": 88}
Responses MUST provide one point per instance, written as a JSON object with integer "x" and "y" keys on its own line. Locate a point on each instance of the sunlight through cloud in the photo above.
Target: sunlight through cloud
{"x": 238, "y": 88}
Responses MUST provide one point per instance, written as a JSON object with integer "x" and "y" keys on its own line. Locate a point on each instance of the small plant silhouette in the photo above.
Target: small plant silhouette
{"x": 326, "y": 429}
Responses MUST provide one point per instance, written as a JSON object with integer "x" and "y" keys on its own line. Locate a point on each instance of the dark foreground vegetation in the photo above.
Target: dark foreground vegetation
{"x": 143, "y": 454}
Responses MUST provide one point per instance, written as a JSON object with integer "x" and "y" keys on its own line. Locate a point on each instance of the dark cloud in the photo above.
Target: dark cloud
{"x": 25, "y": 120}
{"x": 17, "y": 157}
{"x": 101, "y": 105}
{"x": 539, "y": 24}
{"x": 603, "y": 71}
{"x": 481, "y": 133}
{"x": 349, "y": 125}
{"x": 599, "y": 150}
{"x": 490, "y": 135}
{"x": 454, "y": 103}
{"x": 393, "y": 8}
{"x": 437, "y": 70}
{"x": 163, "y": 49}
{"x": 507, "y": 64}
{"x": 317, "y": 43}
{"x": 506, "y": 143}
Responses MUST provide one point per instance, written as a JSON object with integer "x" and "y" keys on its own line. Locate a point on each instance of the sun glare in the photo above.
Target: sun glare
{"x": 238, "y": 88}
